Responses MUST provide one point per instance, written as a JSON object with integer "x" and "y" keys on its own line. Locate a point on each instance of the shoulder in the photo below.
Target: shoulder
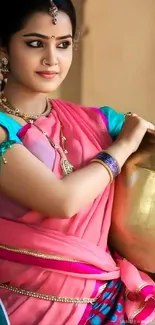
{"x": 110, "y": 111}
{"x": 61, "y": 102}
{"x": 81, "y": 111}
{"x": 8, "y": 128}
{"x": 74, "y": 106}
{"x": 113, "y": 119}
{"x": 106, "y": 110}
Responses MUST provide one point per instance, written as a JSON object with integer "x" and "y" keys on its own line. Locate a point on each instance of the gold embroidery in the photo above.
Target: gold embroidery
{"x": 102, "y": 288}
{"x": 33, "y": 294}
{"x": 141, "y": 287}
{"x": 138, "y": 311}
{"x": 138, "y": 289}
{"x": 126, "y": 293}
{"x": 38, "y": 254}
{"x": 45, "y": 296}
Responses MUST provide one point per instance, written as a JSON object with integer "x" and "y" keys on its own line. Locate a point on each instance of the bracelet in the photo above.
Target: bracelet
{"x": 106, "y": 167}
{"x": 110, "y": 162}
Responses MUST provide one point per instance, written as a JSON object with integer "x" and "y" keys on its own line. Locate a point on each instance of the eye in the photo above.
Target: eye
{"x": 35, "y": 44}
{"x": 64, "y": 45}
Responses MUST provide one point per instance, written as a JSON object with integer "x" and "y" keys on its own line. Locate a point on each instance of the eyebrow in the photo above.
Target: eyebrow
{"x": 47, "y": 37}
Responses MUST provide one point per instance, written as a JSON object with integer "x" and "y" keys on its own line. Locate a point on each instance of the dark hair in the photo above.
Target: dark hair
{"x": 17, "y": 13}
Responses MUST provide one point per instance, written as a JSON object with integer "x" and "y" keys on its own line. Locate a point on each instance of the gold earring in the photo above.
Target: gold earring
{"x": 4, "y": 66}
{"x": 3, "y": 72}
{"x": 76, "y": 40}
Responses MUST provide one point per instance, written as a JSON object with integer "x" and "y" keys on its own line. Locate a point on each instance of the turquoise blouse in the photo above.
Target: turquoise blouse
{"x": 11, "y": 126}
{"x": 115, "y": 121}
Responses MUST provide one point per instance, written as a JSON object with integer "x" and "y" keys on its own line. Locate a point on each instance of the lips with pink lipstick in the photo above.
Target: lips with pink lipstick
{"x": 47, "y": 74}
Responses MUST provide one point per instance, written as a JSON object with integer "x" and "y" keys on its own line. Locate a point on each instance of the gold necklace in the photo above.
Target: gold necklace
{"x": 66, "y": 166}
{"x": 9, "y": 109}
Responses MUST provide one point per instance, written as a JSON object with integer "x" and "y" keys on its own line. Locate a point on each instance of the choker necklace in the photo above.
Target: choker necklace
{"x": 66, "y": 166}
{"x": 9, "y": 109}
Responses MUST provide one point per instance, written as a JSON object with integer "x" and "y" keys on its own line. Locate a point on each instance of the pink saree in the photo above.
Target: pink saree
{"x": 52, "y": 270}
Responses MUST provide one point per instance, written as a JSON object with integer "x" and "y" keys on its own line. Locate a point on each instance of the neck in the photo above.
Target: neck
{"x": 24, "y": 99}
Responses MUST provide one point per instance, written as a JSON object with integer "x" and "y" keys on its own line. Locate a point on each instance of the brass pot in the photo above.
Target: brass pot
{"x": 132, "y": 232}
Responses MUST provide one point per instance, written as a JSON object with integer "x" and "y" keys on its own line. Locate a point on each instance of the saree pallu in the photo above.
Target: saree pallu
{"x": 55, "y": 271}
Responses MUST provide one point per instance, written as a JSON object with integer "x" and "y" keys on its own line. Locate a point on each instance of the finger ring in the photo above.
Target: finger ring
{"x": 128, "y": 114}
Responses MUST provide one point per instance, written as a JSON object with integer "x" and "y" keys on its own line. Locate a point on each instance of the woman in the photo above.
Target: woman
{"x": 58, "y": 164}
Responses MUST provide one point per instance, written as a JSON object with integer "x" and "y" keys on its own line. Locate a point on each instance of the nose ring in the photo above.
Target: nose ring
{"x": 44, "y": 62}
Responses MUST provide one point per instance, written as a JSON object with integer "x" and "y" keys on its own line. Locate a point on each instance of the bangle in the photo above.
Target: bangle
{"x": 110, "y": 162}
{"x": 99, "y": 161}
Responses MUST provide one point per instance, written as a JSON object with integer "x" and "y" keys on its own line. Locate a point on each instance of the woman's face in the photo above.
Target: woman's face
{"x": 40, "y": 54}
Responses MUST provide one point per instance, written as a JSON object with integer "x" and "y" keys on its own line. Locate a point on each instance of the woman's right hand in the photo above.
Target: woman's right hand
{"x": 133, "y": 132}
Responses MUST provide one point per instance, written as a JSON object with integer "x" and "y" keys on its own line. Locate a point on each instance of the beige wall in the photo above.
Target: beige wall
{"x": 118, "y": 67}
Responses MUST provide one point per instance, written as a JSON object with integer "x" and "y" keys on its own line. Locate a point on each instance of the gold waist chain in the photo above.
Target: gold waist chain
{"x": 33, "y": 294}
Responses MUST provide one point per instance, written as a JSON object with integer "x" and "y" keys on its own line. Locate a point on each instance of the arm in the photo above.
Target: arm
{"x": 28, "y": 181}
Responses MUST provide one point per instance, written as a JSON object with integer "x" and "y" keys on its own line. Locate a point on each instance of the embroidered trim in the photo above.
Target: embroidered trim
{"x": 3, "y": 148}
{"x": 33, "y": 294}
{"x": 141, "y": 287}
{"x": 37, "y": 254}
{"x": 137, "y": 312}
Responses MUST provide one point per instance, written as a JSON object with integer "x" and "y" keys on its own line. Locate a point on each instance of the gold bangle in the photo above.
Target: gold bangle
{"x": 106, "y": 167}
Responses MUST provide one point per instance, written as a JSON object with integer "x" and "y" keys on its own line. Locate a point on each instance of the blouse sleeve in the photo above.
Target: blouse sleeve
{"x": 115, "y": 120}
{"x": 12, "y": 128}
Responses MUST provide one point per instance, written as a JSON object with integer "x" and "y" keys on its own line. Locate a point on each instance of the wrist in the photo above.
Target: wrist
{"x": 121, "y": 151}
{"x": 109, "y": 162}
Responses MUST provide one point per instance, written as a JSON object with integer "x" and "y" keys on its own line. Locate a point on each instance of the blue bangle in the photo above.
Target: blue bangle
{"x": 110, "y": 162}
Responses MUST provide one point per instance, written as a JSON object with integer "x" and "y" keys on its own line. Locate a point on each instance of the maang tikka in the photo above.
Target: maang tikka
{"x": 53, "y": 11}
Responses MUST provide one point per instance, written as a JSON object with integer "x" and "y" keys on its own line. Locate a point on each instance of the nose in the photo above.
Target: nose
{"x": 51, "y": 58}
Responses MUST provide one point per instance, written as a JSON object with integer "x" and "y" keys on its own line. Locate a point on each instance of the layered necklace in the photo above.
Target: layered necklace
{"x": 9, "y": 109}
{"x": 66, "y": 166}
